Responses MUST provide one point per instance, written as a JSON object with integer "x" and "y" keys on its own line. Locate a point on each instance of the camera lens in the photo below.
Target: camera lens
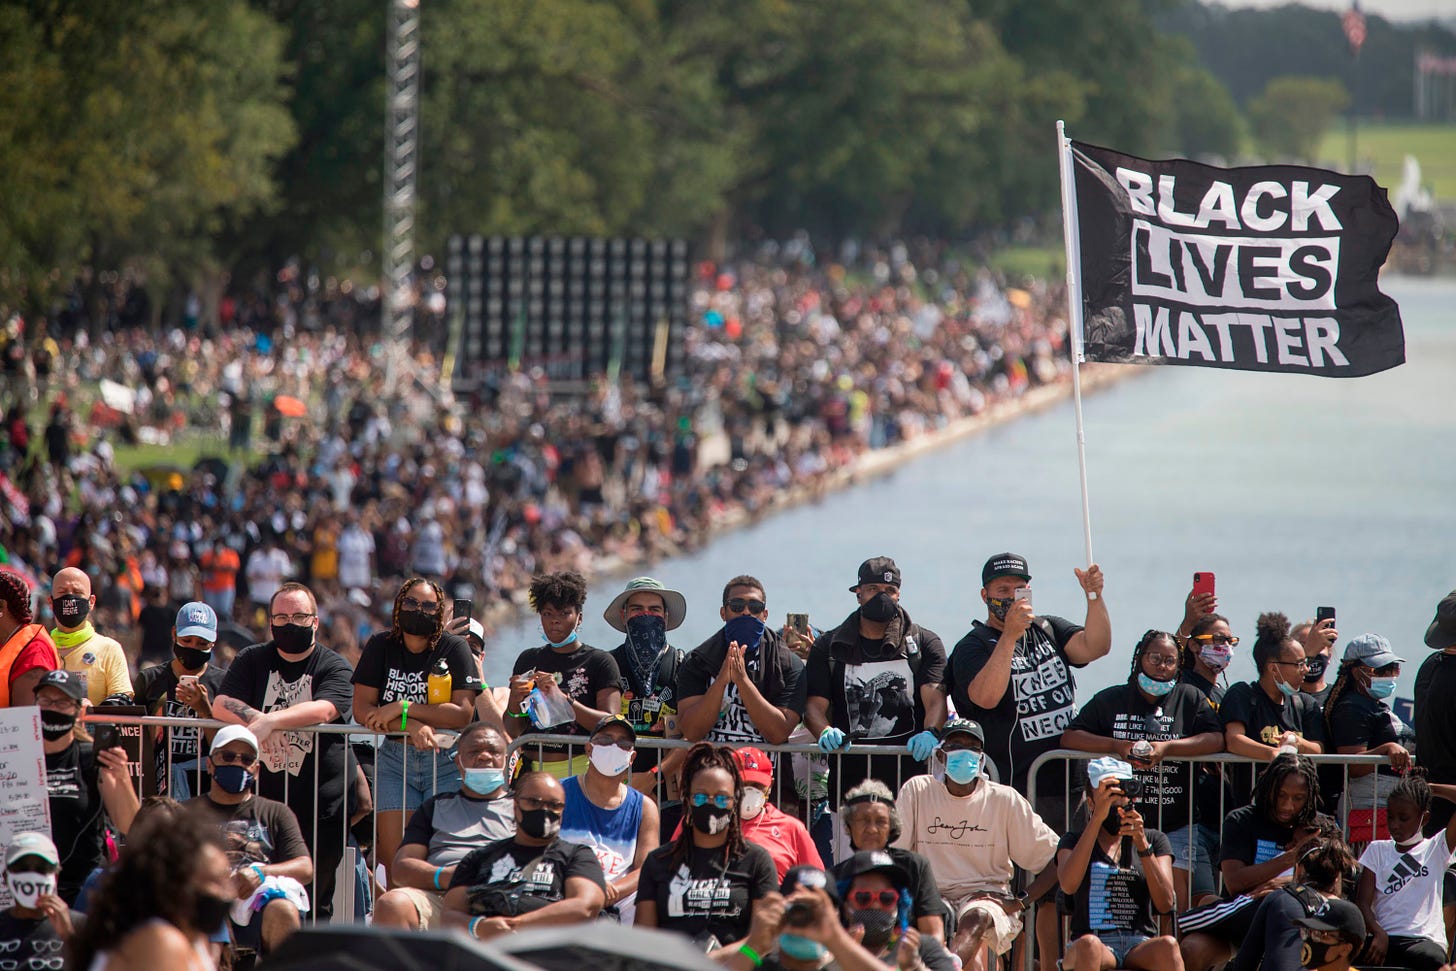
{"x": 1132, "y": 788}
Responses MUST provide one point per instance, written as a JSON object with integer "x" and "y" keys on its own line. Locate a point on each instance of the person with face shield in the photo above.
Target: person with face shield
{"x": 37, "y": 924}
{"x": 392, "y": 694}
{"x": 270, "y": 861}
{"x": 1359, "y": 721}
{"x": 1118, "y": 877}
{"x": 645, "y": 611}
{"x": 445, "y": 828}
{"x": 531, "y": 879}
{"x": 973, "y": 830}
{"x": 183, "y": 688}
{"x": 617, "y": 822}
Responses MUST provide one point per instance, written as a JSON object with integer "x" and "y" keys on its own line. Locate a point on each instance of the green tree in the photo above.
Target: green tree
{"x": 1207, "y": 121}
{"x": 1293, "y": 113}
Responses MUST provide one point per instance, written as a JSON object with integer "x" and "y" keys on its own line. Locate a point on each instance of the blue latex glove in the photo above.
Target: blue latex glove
{"x": 922, "y": 745}
{"x": 832, "y": 740}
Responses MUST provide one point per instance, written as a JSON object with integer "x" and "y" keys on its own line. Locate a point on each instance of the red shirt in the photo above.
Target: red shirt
{"x": 785, "y": 838}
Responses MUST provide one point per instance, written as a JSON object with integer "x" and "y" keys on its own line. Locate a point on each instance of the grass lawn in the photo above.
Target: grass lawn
{"x": 1383, "y": 147}
{"x": 1042, "y": 262}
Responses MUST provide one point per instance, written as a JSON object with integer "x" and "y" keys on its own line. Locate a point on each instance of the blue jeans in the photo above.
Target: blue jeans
{"x": 405, "y": 776}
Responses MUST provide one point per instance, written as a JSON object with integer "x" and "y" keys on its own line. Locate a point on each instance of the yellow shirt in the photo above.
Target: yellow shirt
{"x": 101, "y": 664}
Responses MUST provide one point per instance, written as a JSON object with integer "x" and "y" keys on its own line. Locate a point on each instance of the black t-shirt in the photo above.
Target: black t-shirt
{"x": 1039, "y": 703}
{"x": 1122, "y": 712}
{"x": 1264, "y": 721}
{"x": 534, "y": 875}
{"x": 1114, "y": 896}
{"x": 1436, "y": 716}
{"x": 1212, "y": 690}
{"x": 399, "y": 674}
{"x": 27, "y": 944}
{"x": 77, "y": 816}
{"x": 584, "y": 672}
{"x": 925, "y": 899}
{"x": 873, "y": 686}
{"x": 1253, "y": 838}
{"x": 775, "y": 670}
{"x": 156, "y": 690}
{"x": 257, "y": 831}
{"x": 260, "y": 677}
{"x": 1273, "y": 942}
{"x": 705, "y": 894}
{"x": 647, "y": 701}
{"x": 1358, "y": 719}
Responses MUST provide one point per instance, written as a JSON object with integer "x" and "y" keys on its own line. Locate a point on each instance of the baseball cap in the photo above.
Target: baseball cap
{"x": 673, "y": 602}
{"x": 873, "y": 861}
{"x": 234, "y": 733}
{"x": 753, "y": 766}
{"x": 1105, "y": 768}
{"x": 477, "y": 629}
{"x": 1371, "y": 650}
{"x": 32, "y": 844}
{"x": 963, "y": 726}
{"x": 1442, "y": 632}
{"x": 1004, "y": 565}
{"x": 803, "y": 876}
{"x": 878, "y": 569}
{"x": 1340, "y": 916}
{"x": 197, "y": 620}
{"x": 74, "y": 688}
{"x": 611, "y": 720}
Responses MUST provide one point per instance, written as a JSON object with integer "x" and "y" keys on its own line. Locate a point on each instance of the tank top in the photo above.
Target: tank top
{"x": 201, "y": 957}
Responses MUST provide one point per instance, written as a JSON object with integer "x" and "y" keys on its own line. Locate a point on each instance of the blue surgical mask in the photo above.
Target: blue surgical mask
{"x": 962, "y": 766}
{"x": 1155, "y": 688}
{"x": 746, "y": 629}
{"x": 800, "y": 948}
{"x": 483, "y": 782}
{"x": 549, "y": 641}
{"x": 1382, "y": 688}
{"x": 1286, "y": 689}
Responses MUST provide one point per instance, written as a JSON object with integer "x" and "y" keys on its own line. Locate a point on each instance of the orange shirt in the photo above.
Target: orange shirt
{"x": 219, "y": 570}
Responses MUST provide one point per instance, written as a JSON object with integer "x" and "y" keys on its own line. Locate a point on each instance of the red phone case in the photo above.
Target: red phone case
{"x": 1202, "y": 583}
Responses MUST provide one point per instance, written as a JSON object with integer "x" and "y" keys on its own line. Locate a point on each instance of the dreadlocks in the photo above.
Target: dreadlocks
{"x": 15, "y": 592}
{"x": 1266, "y": 787}
{"x": 701, "y": 757}
{"x": 1342, "y": 681}
{"x": 1150, "y": 638}
{"x": 439, "y": 615}
{"x": 564, "y": 591}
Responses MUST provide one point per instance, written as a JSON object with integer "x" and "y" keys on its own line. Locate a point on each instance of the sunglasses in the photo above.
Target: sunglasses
{"x": 1218, "y": 640}
{"x": 720, "y": 800}
{"x": 738, "y": 605}
{"x": 886, "y": 898}
{"x": 426, "y": 606}
{"x": 234, "y": 758}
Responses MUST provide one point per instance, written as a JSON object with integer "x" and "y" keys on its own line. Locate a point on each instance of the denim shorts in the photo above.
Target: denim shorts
{"x": 1200, "y": 865}
{"x": 405, "y": 776}
{"x": 1121, "y": 942}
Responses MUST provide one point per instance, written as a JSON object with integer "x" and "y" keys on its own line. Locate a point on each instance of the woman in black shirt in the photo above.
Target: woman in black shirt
{"x": 705, "y": 883}
{"x": 1359, "y": 722}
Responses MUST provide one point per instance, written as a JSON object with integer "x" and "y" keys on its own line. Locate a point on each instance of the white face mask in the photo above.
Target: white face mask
{"x": 753, "y": 802}
{"x": 28, "y": 888}
{"x": 610, "y": 760}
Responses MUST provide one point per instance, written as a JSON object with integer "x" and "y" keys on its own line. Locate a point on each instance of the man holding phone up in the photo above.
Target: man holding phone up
{"x": 183, "y": 688}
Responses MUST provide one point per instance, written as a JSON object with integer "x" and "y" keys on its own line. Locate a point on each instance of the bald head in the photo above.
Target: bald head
{"x": 71, "y": 581}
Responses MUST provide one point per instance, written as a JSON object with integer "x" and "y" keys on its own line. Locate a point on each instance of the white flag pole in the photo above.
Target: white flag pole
{"x": 1072, "y": 239}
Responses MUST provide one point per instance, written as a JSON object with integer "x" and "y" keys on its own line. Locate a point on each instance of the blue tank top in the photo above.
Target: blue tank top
{"x": 610, "y": 833}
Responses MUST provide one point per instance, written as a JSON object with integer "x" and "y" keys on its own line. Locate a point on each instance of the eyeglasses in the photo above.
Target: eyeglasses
{"x": 427, "y": 606}
{"x": 1218, "y": 640}
{"x": 738, "y": 605}
{"x": 886, "y": 898}
{"x": 300, "y": 619}
{"x": 225, "y": 757}
{"x": 532, "y": 803}
{"x": 625, "y": 744}
{"x": 1161, "y": 660}
{"x": 1302, "y": 663}
{"x": 57, "y": 704}
{"x": 720, "y": 800}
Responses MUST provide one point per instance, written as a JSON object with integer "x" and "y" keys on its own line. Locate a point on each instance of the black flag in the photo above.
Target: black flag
{"x": 1267, "y": 268}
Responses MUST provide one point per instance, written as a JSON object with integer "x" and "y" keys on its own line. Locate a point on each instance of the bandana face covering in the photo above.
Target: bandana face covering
{"x": 646, "y": 637}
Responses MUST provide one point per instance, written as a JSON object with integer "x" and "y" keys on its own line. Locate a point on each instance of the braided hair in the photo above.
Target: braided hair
{"x": 16, "y": 594}
{"x": 1413, "y": 788}
{"x": 1148, "y": 639}
{"x": 1342, "y": 681}
{"x": 434, "y": 636}
{"x": 1202, "y": 625}
{"x": 1266, "y": 787}
{"x": 701, "y": 757}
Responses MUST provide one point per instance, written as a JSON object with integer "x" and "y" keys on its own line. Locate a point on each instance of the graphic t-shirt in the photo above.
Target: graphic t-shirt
{"x": 156, "y": 690}
{"x": 1123, "y": 712}
{"x": 1039, "y": 703}
{"x": 536, "y": 874}
{"x": 1252, "y": 838}
{"x": 584, "y": 672}
{"x": 1264, "y": 720}
{"x": 649, "y": 700}
{"x": 873, "y": 687}
{"x": 1408, "y": 887}
{"x": 263, "y": 679}
{"x": 706, "y": 893}
{"x": 77, "y": 816}
{"x": 1114, "y": 895}
{"x": 399, "y": 674}
{"x": 452, "y": 825}
{"x": 775, "y": 670}
{"x": 257, "y": 831}
{"x": 611, "y": 834}
{"x": 30, "y": 945}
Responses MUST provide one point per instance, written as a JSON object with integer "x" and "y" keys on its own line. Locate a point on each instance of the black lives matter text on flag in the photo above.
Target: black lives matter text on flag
{"x": 1267, "y": 268}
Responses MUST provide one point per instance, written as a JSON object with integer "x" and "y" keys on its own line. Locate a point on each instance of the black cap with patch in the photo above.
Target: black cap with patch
{"x": 878, "y": 569}
{"x": 1340, "y": 916}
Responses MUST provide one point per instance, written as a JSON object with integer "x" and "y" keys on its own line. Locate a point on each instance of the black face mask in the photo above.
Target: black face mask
{"x": 709, "y": 820}
{"x": 1316, "y": 954}
{"x": 1317, "y": 666}
{"x": 292, "y": 638}
{"x": 190, "y": 658}
{"x": 541, "y": 824}
{"x": 71, "y": 610}
{"x": 55, "y": 725}
{"x": 999, "y": 606}
{"x": 209, "y": 911}
{"x": 1113, "y": 822}
{"x": 878, "y": 609}
{"x": 878, "y": 925}
{"x": 417, "y": 622}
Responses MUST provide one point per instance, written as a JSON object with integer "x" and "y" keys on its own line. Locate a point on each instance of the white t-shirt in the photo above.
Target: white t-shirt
{"x": 1408, "y": 887}
{"x": 355, "y": 548}
{"x": 266, "y": 569}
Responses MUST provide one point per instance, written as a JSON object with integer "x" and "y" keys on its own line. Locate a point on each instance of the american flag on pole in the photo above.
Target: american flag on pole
{"x": 1354, "y": 24}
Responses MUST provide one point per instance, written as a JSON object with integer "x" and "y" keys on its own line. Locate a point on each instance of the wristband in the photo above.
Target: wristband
{"x": 258, "y": 869}
{"x": 1146, "y": 852}
{"x": 438, "y": 870}
{"x": 1091, "y": 594}
{"x": 517, "y": 714}
{"x": 471, "y": 926}
{"x": 404, "y": 716}
{"x": 751, "y": 954}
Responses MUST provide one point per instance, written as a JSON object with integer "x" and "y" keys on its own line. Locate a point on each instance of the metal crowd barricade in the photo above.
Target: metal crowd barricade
{"x": 1072, "y": 784}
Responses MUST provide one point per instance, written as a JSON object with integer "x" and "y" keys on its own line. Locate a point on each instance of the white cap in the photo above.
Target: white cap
{"x": 478, "y": 629}
{"x": 235, "y": 733}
